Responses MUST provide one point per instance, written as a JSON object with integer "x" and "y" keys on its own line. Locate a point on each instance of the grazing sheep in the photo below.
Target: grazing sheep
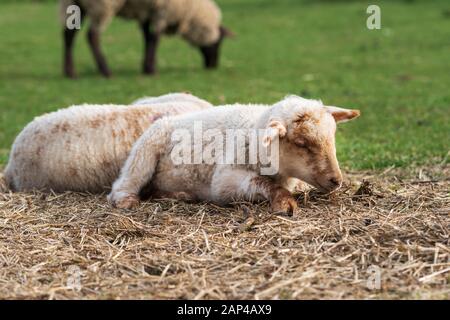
{"x": 82, "y": 148}
{"x": 197, "y": 21}
{"x": 301, "y": 131}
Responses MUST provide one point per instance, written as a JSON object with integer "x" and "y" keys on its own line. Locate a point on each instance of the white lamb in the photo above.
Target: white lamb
{"x": 173, "y": 97}
{"x": 303, "y": 131}
{"x": 82, "y": 148}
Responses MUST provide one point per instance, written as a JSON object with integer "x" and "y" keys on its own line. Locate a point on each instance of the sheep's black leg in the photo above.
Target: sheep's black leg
{"x": 69, "y": 37}
{"x": 151, "y": 41}
{"x": 211, "y": 55}
{"x": 94, "y": 42}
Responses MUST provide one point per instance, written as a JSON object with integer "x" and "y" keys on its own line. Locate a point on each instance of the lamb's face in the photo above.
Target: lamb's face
{"x": 307, "y": 143}
{"x": 308, "y": 150}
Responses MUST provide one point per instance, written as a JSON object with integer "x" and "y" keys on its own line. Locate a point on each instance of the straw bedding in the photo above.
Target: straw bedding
{"x": 383, "y": 235}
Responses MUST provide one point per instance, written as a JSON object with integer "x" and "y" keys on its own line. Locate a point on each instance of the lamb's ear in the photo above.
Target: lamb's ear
{"x": 274, "y": 130}
{"x": 226, "y": 33}
{"x": 341, "y": 114}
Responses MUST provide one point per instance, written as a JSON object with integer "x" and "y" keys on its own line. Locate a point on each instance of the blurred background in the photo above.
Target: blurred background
{"x": 398, "y": 76}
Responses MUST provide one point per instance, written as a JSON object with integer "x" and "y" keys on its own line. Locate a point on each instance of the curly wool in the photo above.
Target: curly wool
{"x": 197, "y": 21}
{"x": 82, "y": 148}
{"x": 173, "y": 97}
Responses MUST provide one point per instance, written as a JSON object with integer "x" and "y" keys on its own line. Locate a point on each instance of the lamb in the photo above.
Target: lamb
{"x": 197, "y": 21}
{"x": 173, "y": 97}
{"x": 82, "y": 148}
{"x": 300, "y": 134}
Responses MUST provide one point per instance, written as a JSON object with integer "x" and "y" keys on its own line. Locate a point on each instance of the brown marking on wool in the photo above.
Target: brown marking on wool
{"x": 314, "y": 155}
{"x": 38, "y": 151}
{"x": 311, "y": 154}
{"x": 136, "y": 134}
{"x": 304, "y": 133}
{"x": 41, "y": 138}
{"x": 309, "y": 116}
{"x": 139, "y": 113}
{"x": 55, "y": 129}
{"x": 301, "y": 118}
{"x": 94, "y": 124}
{"x": 65, "y": 127}
{"x": 112, "y": 117}
{"x": 134, "y": 127}
{"x": 73, "y": 172}
{"x": 106, "y": 164}
{"x": 133, "y": 123}
{"x": 302, "y": 136}
{"x": 142, "y": 114}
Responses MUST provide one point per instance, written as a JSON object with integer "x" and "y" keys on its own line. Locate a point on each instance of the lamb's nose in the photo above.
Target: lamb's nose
{"x": 336, "y": 182}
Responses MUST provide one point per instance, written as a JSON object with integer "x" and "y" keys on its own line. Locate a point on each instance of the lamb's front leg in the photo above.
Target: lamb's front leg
{"x": 139, "y": 167}
{"x": 230, "y": 184}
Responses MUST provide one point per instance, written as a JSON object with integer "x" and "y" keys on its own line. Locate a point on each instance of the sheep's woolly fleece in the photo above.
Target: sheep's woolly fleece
{"x": 389, "y": 226}
{"x": 197, "y": 21}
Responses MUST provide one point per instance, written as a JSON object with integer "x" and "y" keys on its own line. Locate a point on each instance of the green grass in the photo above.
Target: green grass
{"x": 398, "y": 76}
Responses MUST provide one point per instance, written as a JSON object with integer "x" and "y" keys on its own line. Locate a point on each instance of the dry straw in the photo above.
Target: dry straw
{"x": 387, "y": 237}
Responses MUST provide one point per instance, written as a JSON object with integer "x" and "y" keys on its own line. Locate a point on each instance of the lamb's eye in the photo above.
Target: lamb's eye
{"x": 301, "y": 143}
{"x": 306, "y": 148}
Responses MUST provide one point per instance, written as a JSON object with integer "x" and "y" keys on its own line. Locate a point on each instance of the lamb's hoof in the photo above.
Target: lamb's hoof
{"x": 126, "y": 202}
{"x": 284, "y": 203}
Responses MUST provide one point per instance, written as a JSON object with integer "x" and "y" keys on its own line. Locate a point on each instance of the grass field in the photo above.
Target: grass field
{"x": 398, "y": 76}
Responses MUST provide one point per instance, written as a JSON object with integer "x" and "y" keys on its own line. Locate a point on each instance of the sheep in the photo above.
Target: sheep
{"x": 197, "y": 21}
{"x": 173, "y": 97}
{"x": 82, "y": 148}
{"x": 300, "y": 134}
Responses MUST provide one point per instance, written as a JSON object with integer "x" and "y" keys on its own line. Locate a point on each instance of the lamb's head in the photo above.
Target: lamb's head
{"x": 211, "y": 52}
{"x": 306, "y": 131}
